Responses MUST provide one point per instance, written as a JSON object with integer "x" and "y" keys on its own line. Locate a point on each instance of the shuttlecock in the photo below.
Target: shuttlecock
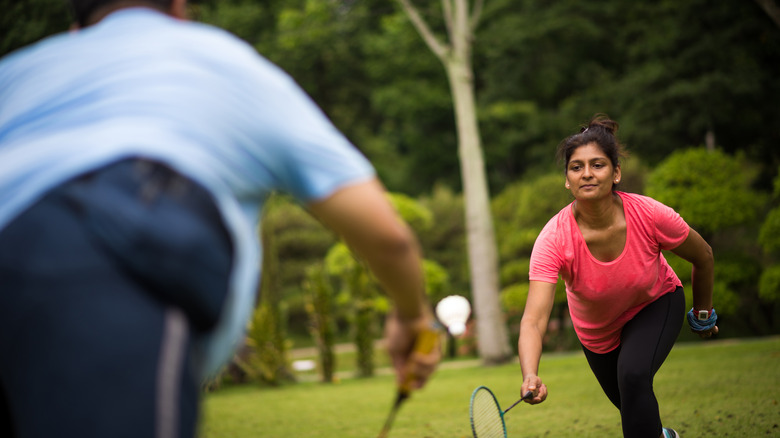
{"x": 453, "y": 311}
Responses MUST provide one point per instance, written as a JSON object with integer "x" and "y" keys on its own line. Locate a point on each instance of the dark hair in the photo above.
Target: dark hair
{"x": 83, "y": 9}
{"x": 601, "y": 131}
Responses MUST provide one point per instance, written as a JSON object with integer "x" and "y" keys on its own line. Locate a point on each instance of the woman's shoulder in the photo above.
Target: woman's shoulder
{"x": 558, "y": 222}
{"x": 638, "y": 202}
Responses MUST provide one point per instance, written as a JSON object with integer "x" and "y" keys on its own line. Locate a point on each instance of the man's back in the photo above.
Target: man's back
{"x": 143, "y": 84}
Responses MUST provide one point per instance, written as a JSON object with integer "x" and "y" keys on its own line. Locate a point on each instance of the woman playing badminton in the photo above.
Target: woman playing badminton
{"x": 625, "y": 302}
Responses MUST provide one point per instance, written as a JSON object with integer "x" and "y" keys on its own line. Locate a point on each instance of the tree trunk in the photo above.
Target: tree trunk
{"x": 492, "y": 337}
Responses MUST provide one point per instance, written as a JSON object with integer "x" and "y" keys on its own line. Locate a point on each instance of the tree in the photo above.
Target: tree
{"x": 26, "y": 22}
{"x": 713, "y": 192}
{"x": 460, "y": 20}
{"x": 268, "y": 362}
{"x": 320, "y": 305}
{"x": 771, "y": 9}
{"x": 710, "y": 189}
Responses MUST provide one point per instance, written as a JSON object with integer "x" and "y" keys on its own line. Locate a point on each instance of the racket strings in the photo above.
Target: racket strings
{"x": 486, "y": 420}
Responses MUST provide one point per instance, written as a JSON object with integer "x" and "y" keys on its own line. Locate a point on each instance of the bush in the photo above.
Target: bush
{"x": 322, "y": 319}
{"x": 522, "y": 209}
{"x": 710, "y": 189}
{"x": 769, "y": 285}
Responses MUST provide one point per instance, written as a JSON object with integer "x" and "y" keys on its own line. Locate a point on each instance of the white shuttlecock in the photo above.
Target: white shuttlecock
{"x": 453, "y": 311}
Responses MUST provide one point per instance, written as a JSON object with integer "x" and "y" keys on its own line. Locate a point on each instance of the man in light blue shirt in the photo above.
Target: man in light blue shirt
{"x": 135, "y": 156}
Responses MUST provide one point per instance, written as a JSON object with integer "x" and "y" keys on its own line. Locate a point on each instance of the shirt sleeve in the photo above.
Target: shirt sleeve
{"x": 320, "y": 159}
{"x": 670, "y": 228}
{"x": 546, "y": 260}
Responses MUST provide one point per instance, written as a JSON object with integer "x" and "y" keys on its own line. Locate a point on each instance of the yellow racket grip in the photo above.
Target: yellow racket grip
{"x": 425, "y": 343}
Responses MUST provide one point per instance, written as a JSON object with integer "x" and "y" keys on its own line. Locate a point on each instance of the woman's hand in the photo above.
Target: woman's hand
{"x": 704, "y": 334}
{"x": 534, "y": 384}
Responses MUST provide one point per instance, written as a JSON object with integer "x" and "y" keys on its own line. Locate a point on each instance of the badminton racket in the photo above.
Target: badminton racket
{"x": 487, "y": 418}
{"x": 425, "y": 343}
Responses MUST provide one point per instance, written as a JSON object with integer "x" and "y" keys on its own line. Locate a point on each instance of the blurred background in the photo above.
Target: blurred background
{"x": 694, "y": 85}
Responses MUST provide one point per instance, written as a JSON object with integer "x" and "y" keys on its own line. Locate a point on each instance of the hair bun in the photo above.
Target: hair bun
{"x": 602, "y": 121}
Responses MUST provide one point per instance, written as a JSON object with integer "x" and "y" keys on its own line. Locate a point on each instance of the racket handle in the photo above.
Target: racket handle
{"x": 525, "y": 396}
{"x": 424, "y": 344}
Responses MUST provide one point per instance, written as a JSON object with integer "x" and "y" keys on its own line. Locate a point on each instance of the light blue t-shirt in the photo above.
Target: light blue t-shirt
{"x": 143, "y": 84}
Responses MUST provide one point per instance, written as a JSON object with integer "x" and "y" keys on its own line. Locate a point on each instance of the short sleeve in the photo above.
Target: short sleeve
{"x": 546, "y": 259}
{"x": 670, "y": 228}
{"x": 315, "y": 158}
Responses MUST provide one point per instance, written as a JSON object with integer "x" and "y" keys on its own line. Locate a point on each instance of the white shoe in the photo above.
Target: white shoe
{"x": 670, "y": 433}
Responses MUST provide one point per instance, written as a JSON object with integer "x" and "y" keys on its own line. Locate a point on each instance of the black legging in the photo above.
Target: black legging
{"x": 626, "y": 373}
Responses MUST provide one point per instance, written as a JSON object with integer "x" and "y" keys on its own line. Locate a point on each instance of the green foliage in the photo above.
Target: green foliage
{"x": 726, "y": 297}
{"x": 523, "y": 208}
{"x": 680, "y": 266}
{"x": 250, "y": 21}
{"x": 364, "y": 330}
{"x": 710, "y": 189}
{"x": 634, "y": 173}
{"x": 419, "y": 218}
{"x": 359, "y": 292}
{"x": 540, "y": 69}
{"x": 339, "y": 260}
{"x": 735, "y": 278}
{"x": 411, "y": 99}
{"x": 322, "y": 318}
{"x": 25, "y": 22}
{"x": 513, "y": 298}
{"x": 299, "y": 241}
{"x": 515, "y": 271}
{"x": 736, "y": 269}
{"x": 769, "y": 236}
{"x": 769, "y": 285}
{"x": 267, "y": 363}
{"x": 446, "y": 241}
{"x": 437, "y": 281}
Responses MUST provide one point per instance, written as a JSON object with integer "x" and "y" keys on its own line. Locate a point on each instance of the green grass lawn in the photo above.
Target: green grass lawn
{"x": 716, "y": 389}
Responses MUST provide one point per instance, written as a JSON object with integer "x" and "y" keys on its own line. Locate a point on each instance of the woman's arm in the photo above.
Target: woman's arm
{"x": 697, "y": 251}
{"x": 533, "y": 326}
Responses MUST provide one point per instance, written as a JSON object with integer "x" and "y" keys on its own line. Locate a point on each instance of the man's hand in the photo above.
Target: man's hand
{"x": 412, "y": 368}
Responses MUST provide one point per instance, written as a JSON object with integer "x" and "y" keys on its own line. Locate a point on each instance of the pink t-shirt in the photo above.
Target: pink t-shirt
{"x": 603, "y": 296}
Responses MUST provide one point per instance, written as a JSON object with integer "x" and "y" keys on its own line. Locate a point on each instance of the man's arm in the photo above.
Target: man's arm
{"x": 363, "y": 216}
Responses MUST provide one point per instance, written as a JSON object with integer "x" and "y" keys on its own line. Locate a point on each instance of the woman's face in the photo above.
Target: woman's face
{"x": 590, "y": 173}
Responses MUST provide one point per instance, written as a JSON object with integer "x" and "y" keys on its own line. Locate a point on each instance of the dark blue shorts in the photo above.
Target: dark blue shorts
{"x": 102, "y": 283}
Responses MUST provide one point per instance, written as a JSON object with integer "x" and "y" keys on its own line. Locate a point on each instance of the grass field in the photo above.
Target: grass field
{"x": 721, "y": 388}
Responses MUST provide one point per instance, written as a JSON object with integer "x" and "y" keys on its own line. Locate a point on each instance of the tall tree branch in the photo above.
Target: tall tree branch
{"x": 461, "y": 38}
{"x": 439, "y": 49}
{"x": 446, "y": 6}
{"x": 771, "y": 9}
{"x": 476, "y": 12}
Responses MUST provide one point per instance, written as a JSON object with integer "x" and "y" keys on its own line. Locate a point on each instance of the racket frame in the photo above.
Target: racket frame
{"x": 501, "y": 413}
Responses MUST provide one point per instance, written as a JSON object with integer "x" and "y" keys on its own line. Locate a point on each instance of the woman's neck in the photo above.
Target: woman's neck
{"x": 598, "y": 213}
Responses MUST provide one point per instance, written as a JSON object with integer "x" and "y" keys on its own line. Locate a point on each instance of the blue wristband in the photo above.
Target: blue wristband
{"x": 700, "y": 326}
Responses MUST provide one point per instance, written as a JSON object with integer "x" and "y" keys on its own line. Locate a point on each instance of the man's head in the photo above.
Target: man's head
{"x": 88, "y": 12}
